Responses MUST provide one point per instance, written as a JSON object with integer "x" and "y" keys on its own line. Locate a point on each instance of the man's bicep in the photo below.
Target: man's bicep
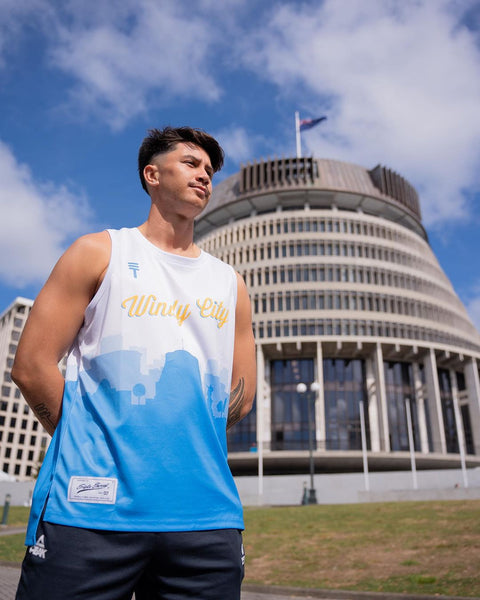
{"x": 57, "y": 313}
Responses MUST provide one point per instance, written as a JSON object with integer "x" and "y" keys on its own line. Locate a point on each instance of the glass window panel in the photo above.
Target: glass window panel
{"x": 344, "y": 386}
{"x": 290, "y": 408}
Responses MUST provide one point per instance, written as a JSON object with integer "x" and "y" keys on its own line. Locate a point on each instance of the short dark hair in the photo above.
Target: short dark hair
{"x": 160, "y": 141}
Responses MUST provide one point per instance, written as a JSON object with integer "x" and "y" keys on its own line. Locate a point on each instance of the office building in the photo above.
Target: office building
{"x": 23, "y": 441}
{"x": 347, "y": 295}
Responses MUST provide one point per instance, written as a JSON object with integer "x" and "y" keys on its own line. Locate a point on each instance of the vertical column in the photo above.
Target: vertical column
{"x": 434, "y": 402}
{"x": 420, "y": 402}
{"x": 321, "y": 434}
{"x": 456, "y": 410}
{"x": 381, "y": 398}
{"x": 260, "y": 415}
{"x": 473, "y": 388}
{"x": 372, "y": 399}
{"x": 263, "y": 403}
{"x": 459, "y": 425}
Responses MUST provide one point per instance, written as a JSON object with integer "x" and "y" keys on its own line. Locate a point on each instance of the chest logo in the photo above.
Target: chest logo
{"x": 135, "y": 268}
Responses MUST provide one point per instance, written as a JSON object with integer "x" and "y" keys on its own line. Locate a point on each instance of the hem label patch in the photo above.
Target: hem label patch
{"x": 95, "y": 490}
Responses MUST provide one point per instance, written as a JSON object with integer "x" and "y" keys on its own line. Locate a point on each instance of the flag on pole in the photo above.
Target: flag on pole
{"x": 309, "y": 123}
{"x": 303, "y": 125}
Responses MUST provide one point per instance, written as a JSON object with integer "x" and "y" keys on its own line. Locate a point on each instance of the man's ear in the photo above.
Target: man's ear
{"x": 150, "y": 173}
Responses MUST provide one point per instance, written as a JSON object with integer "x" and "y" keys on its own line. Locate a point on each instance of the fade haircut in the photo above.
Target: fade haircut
{"x": 161, "y": 141}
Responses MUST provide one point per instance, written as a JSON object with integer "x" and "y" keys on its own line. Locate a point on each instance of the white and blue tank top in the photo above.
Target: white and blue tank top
{"x": 141, "y": 444}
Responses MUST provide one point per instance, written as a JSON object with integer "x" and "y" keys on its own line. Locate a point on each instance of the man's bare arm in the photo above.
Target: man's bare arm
{"x": 53, "y": 323}
{"x": 244, "y": 374}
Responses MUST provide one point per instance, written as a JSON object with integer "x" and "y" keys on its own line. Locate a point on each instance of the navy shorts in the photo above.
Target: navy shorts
{"x": 69, "y": 563}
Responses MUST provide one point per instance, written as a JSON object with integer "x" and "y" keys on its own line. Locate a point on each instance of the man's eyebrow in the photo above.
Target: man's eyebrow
{"x": 208, "y": 167}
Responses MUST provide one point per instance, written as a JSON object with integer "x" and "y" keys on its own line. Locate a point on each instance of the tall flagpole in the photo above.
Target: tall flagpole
{"x": 297, "y": 135}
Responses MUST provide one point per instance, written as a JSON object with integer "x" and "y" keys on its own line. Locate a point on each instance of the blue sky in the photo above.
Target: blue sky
{"x": 83, "y": 80}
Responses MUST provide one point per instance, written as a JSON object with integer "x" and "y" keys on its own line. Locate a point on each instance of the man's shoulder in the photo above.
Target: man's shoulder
{"x": 90, "y": 249}
{"x": 94, "y": 240}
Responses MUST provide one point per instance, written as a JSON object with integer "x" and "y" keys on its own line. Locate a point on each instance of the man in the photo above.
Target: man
{"x": 135, "y": 492}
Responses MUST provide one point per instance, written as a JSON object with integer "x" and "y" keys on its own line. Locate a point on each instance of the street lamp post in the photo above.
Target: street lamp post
{"x": 6, "y": 508}
{"x": 310, "y": 495}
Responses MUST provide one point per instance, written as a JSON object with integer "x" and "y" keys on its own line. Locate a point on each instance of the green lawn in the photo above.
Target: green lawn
{"x": 11, "y": 546}
{"x": 409, "y": 547}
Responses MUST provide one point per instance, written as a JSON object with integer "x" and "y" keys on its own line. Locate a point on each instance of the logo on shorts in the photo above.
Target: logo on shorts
{"x": 39, "y": 548}
{"x": 243, "y": 555}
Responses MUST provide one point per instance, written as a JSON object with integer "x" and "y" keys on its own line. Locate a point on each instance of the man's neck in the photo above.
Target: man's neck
{"x": 176, "y": 240}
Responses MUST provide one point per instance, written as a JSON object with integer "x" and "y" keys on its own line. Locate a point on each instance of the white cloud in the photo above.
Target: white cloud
{"x": 400, "y": 84}
{"x": 123, "y": 61}
{"x": 37, "y": 219}
{"x": 238, "y": 144}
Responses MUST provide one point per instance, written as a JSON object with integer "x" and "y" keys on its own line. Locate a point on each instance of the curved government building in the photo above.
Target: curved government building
{"x": 347, "y": 295}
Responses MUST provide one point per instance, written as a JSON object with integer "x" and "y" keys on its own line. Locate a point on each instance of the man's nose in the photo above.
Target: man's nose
{"x": 204, "y": 177}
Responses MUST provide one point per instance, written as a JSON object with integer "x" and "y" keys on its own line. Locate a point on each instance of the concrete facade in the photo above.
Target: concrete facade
{"x": 339, "y": 269}
{"x": 23, "y": 441}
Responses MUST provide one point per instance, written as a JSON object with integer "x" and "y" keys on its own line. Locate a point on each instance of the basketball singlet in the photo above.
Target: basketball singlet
{"x": 141, "y": 444}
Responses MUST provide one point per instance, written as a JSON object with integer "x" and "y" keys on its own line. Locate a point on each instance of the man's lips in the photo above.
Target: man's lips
{"x": 200, "y": 188}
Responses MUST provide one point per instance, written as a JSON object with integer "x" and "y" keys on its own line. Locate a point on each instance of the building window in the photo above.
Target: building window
{"x": 448, "y": 412}
{"x": 467, "y": 428}
{"x": 344, "y": 388}
{"x": 399, "y": 389}
{"x": 289, "y": 408}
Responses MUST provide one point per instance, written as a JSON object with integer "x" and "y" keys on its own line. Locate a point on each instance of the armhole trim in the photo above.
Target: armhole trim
{"x": 108, "y": 275}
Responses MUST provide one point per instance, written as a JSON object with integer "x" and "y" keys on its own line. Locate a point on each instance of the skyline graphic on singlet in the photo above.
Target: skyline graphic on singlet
{"x": 119, "y": 376}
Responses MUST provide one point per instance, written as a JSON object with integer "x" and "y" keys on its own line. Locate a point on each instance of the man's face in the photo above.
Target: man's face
{"x": 183, "y": 179}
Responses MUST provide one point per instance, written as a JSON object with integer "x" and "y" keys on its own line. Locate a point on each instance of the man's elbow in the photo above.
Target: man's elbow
{"x": 19, "y": 373}
{"x": 248, "y": 400}
{"x": 249, "y": 404}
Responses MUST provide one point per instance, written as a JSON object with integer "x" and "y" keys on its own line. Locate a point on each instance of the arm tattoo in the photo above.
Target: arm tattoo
{"x": 44, "y": 415}
{"x": 237, "y": 398}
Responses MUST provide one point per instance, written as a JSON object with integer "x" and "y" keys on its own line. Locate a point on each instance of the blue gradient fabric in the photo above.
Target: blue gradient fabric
{"x": 141, "y": 445}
